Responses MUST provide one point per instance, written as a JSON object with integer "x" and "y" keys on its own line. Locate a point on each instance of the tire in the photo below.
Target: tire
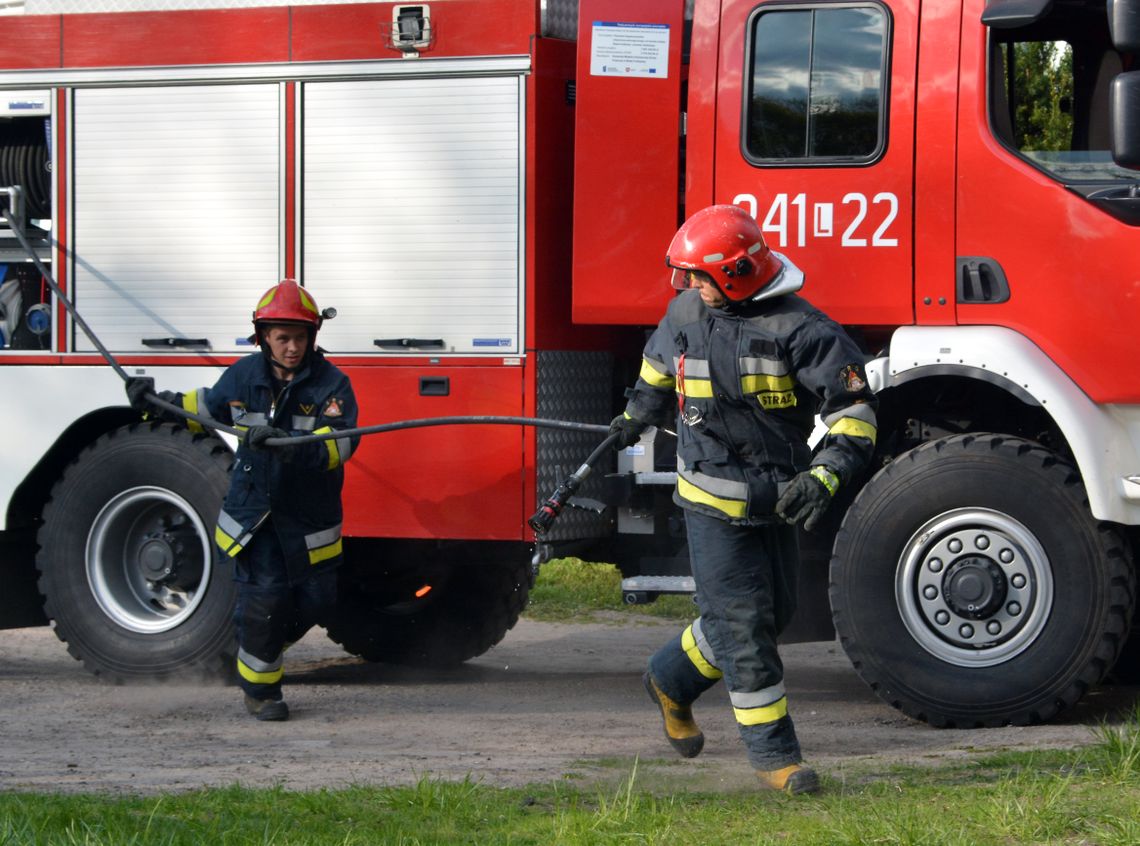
{"x": 970, "y": 586}
{"x": 470, "y": 607}
{"x": 128, "y": 567}
{"x": 1126, "y": 670}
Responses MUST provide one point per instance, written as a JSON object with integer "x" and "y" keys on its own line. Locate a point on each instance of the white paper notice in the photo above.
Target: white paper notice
{"x": 629, "y": 49}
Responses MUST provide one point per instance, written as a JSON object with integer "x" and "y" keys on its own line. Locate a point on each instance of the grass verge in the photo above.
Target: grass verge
{"x": 1085, "y": 796}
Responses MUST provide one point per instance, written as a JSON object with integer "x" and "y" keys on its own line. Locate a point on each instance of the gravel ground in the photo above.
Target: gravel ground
{"x": 551, "y": 702}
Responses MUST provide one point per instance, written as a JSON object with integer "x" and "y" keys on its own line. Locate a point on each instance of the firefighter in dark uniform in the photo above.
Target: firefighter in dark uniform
{"x": 744, "y": 364}
{"x": 281, "y": 519}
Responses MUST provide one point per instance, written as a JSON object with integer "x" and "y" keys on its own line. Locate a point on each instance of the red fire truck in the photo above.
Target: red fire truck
{"x": 484, "y": 190}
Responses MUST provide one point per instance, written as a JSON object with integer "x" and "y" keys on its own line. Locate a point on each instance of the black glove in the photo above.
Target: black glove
{"x": 628, "y": 429}
{"x": 137, "y": 389}
{"x": 807, "y": 497}
{"x": 256, "y": 436}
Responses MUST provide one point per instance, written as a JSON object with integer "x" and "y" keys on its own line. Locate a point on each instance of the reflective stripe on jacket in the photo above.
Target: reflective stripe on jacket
{"x": 744, "y": 386}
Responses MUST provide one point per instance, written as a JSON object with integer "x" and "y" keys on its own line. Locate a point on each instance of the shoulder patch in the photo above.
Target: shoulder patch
{"x": 852, "y": 378}
{"x": 333, "y": 408}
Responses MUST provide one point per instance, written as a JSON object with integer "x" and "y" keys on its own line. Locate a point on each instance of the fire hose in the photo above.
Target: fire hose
{"x": 540, "y": 522}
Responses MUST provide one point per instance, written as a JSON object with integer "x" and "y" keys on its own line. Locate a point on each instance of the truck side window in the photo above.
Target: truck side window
{"x": 1049, "y": 96}
{"x": 816, "y": 86}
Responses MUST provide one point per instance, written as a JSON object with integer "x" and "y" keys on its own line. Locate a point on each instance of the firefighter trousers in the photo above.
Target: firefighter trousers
{"x": 271, "y": 614}
{"x": 746, "y": 593}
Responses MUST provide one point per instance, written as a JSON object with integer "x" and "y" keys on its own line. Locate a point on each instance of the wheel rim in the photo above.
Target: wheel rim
{"x": 148, "y": 559}
{"x": 974, "y": 587}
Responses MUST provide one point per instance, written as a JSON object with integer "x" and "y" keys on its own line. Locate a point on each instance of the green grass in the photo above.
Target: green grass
{"x": 1085, "y": 796}
{"x": 569, "y": 589}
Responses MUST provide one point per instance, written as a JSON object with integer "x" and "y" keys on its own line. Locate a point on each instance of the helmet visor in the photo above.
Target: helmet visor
{"x": 684, "y": 279}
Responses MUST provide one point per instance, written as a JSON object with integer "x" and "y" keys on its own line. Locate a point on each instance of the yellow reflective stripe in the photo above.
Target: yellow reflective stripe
{"x": 854, "y": 428}
{"x": 324, "y": 553}
{"x": 190, "y": 403}
{"x": 731, "y": 507}
{"x": 829, "y": 479}
{"x": 755, "y": 383}
{"x": 700, "y": 388}
{"x": 767, "y": 714}
{"x": 770, "y": 391}
{"x": 689, "y": 644}
{"x": 227, "y": 544}
{"x": 306, "y": 300}
{"x": 254, "y": 677}
{"x": 653, "y": 376}
{"x": 330, "y": 445}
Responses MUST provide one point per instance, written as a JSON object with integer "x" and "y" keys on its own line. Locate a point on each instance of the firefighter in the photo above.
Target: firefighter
{"x": 281, "y": 519}
{"x": 744, "y": 364}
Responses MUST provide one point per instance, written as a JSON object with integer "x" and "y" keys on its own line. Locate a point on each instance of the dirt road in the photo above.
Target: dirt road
{"x": 552, "y": 701}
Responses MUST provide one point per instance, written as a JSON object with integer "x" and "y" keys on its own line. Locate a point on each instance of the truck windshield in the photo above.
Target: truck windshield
{"x": 1049, "y": 96}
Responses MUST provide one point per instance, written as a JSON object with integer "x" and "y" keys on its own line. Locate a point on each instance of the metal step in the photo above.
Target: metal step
{"x": 640, "y": 590}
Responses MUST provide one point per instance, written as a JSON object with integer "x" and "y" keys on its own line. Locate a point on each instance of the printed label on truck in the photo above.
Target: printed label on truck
{"x": 492, "y": 342}
{"x": 629, "y": 49}
{"x": 866, "y": 222}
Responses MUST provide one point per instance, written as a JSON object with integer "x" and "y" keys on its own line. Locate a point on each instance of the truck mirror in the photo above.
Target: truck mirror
{"x": 1124, "y": 24}
{"x": 1010, "y": 14}
{"x": 1124, "y": 114}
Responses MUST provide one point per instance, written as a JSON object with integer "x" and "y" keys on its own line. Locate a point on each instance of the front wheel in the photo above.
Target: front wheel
{"x": 128, "y": 567}
{"x": 970, "y": 585}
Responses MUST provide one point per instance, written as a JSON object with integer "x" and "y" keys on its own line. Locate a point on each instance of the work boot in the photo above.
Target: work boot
{"x": 680, "y": 729}
{"x": 269, "y": 710}
{"x": 794, "y": 778}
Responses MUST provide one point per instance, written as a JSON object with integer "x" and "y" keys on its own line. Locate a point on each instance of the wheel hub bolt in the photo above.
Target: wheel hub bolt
{"x": 974, "y": 587}
{"x": 156, "y": 557}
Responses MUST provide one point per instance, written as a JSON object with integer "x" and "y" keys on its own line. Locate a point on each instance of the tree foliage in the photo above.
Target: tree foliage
{"x": 1043, "y": 94}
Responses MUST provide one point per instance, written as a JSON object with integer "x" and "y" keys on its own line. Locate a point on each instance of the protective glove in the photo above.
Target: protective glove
{"x": 137, "y": 389}
{"x": 256, "y": 436}
{"x": 628, "y": 429}
{"x": 807, "y": 497}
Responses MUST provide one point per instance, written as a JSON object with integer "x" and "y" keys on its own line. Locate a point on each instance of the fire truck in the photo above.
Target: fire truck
{"x": 484, "y": 190}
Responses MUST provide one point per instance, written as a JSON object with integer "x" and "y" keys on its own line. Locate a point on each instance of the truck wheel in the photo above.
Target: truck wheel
{"x": 469, "y": 608}
{"x": 128, "y": 567}
{"x": 970, "y": 585}
{"x": 1127, "y": 667}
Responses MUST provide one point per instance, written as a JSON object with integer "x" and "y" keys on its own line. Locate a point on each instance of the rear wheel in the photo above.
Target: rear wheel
{"x": 453, "y": 604}
{"x": 970, "y": 585}
{"x": 128, "y": 567}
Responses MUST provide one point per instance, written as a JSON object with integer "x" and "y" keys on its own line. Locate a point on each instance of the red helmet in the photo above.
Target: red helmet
{"x": 725, "y": 244}
{"x": 287, "y": 302}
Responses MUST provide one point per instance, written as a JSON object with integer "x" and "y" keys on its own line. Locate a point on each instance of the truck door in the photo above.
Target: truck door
{"x": 814, "y": 132}
{"x": 1047, "y": 228}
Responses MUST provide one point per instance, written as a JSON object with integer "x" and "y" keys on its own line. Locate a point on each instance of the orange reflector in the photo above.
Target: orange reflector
{"x": 422, "y": 592}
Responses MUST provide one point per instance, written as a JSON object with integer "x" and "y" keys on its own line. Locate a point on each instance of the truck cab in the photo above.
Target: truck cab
{"x": 957, "y": 182}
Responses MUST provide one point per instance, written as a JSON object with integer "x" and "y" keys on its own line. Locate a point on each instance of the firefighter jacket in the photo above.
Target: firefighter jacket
{"x": 745, "y": 385}
{"x": 300, "y": 486}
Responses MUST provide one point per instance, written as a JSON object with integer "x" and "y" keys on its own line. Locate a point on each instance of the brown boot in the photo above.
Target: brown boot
{"x": 794, "y": 778}
{"x": 267, "y": 710}
{"x": 680, "y": 730}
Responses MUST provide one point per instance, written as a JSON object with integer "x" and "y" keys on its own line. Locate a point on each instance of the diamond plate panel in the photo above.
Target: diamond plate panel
{"x": 560, "y": 19}
{"x": 574, "y": 386}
